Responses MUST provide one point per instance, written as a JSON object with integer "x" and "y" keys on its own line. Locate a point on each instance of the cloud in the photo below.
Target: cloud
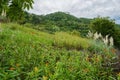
{"x": 79, "y": 8}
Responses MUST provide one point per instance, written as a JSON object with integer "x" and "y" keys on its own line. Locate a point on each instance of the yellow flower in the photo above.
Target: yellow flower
{"x": 85, "y": 70}
{"x": 17, "y": 65}
{"x": 36, "y": 69}
{"x": 47, "y": 64}
{"x": 45, "y": 78}
{"x": 118, "y": 74}
{"x": 87, "y": 59}
{"x": 12, "y": 68}
{"x": 97, "y": 59}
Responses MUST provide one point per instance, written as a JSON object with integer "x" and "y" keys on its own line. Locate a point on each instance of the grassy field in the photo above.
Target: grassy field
{"x": 28, "y": 54}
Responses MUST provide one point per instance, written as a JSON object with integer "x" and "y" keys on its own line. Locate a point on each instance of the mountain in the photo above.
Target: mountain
{"x": 60, "y": 21}
{"x": 56, "y": 17}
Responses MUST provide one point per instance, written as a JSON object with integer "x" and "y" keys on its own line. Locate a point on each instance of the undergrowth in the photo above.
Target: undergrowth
{"x": 27, "y": 54}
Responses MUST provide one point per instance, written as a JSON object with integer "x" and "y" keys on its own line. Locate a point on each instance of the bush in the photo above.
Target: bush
{"x": 105, "y": 26}
{"x": 116, "y": 37}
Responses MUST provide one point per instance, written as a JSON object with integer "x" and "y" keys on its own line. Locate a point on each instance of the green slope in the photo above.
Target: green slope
{"x": 27, "y": 54}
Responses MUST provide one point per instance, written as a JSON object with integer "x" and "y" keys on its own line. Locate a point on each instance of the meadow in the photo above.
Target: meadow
{"x": 29, "y": 54}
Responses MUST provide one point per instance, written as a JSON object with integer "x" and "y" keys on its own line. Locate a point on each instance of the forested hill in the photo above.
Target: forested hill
{"x": 59, "y": 21}
{"x": 55, "y": 17}
{"x": 58, "y": 16}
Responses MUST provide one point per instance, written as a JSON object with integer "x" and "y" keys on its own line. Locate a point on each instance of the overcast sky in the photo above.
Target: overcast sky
{"x": 79, "y": 8}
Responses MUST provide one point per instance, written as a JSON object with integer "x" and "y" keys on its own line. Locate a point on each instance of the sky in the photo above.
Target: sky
{"x": 79, "y": 8}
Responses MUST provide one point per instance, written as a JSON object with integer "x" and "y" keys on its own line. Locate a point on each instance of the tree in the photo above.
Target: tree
{"x": 106, "y": 26}
{"x": 14, "y": 9}
{"x": 103, "y": 25}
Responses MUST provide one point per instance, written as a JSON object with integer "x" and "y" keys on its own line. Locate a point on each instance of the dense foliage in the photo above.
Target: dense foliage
{"x": 28, "y": 54}
{"x": 59, "y": 21}
{"x": 105, "y": 26}
{"x": 66, "y": 54}
{"x": 14, "y": 9}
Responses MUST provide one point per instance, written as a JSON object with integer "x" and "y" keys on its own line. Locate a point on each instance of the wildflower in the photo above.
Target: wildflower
{"x": 96, "y": 36}
{"x": 33, "y": 32}
{"x": 100, "y": 35}
{"x": 118, "y": 74}
{"x": 113, "y": 50}
{"x": 86, "y": 70}
{"x": 105, "y": 50}
{"x": 45, "y": 78}
{"x": 3, "y": 13}
{"x": 87, "y": 59}
{"x": 17, "y": 65}
{"x": 111, "y": 41}
{"x": 36, "y": 69}
{"x": 97, "y": 59}
{"x": 105, "y": 40}
{"x": 46, "y": 64}
{"x": 90, "y": 34}
{"x": 12, "y": 68}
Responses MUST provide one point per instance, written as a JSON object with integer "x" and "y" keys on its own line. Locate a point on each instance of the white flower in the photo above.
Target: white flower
{"x": 3, "y": 13}
{"x": 96, "y": 36}
{"x": 100, "y": 35}
{"x": 106, "y": 40}
{"x": 90, "y": 34}
{"x": 111, "y": 41}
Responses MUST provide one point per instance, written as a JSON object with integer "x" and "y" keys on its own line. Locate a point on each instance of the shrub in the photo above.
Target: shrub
{"x": 105, "y": 26}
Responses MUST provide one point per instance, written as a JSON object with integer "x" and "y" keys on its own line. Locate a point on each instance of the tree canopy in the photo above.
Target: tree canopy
{"x": 14, "y": 8}
{"x": 106, "y": 26}
{"x": 103, "y": 25}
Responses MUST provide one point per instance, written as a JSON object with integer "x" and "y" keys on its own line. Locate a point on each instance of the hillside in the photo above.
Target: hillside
{"x": 59, "y": 21}
{"x": 28, "y": 54}
{"x": 56, "y": 16}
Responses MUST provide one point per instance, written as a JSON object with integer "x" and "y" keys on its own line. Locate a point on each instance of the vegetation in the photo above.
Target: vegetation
{"x": 28, "y": 54}
{"x": 14, "y": 9}
{"x": 105, "y": 26}
{"x": 58, "y": 21}
{"x": 56, "y": 46}
{"x": 63, "y": 39}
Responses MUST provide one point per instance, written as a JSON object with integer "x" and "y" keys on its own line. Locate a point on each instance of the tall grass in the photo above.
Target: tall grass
{"x": 27, "y": 54}
{"x": 62, "y": 39}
